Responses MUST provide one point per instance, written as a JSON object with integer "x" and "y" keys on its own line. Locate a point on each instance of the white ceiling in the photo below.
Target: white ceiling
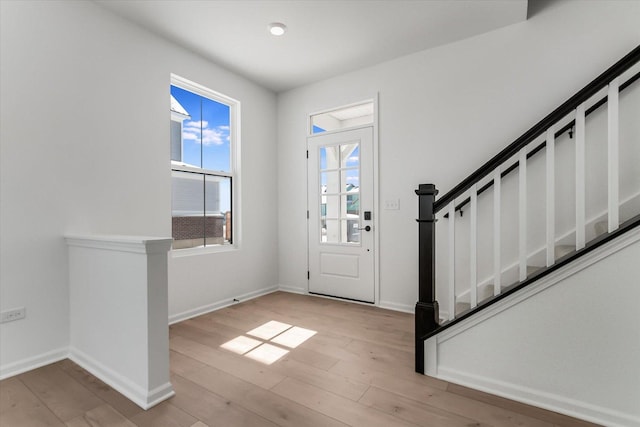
{"x": 325, "y": 38}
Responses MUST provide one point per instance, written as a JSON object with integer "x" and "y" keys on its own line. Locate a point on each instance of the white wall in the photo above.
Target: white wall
{"x": 85, "y": 150}
{"x": 444, "y": 112}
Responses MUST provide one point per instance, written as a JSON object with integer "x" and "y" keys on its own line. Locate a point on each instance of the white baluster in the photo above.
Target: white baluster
{"x": 497, "y": 267}
{"x": 580, "y": 178}
{"x": 452, "y": 260}
{"x": 551, "y": 195}
{"x": 612, "y": 104}
{"x": 522, "y": 212}
{"x": 473, "y": 237}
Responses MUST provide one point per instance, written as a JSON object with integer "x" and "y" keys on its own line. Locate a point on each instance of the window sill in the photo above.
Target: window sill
{"x": 186, "y": 252}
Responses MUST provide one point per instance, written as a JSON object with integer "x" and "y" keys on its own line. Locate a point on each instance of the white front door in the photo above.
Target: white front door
{"x": 340, "y": 203}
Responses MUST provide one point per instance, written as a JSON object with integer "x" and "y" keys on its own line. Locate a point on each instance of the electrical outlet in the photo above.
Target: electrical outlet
{"x": 11, "y": 315}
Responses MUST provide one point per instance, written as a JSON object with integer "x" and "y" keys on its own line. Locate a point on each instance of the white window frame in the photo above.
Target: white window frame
{"x": 234, "y": 173}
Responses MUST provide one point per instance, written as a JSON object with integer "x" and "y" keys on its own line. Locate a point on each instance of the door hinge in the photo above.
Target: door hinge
{"x": 308, "y": 275}
{"x": 307, "y": 154}
{"x": 307, "y": 214}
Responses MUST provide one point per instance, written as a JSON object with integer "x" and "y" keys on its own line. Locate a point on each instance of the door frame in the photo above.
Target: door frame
{"x": 376, "y": 198}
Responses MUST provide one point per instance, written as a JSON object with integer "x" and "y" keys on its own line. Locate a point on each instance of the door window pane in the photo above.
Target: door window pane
{"x": 330, "y": 207}
{"x": 340, "y": 193}
{"x": 350, "y": 155}
{"x": 330, "y": 231}
{"x": 352, "y": 232}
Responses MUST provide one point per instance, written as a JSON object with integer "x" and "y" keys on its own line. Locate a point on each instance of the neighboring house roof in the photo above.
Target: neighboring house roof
{"x": 177, "y": 108}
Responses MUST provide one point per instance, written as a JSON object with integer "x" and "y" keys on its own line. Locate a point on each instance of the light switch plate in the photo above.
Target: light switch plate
{"x": 392, "y": 205}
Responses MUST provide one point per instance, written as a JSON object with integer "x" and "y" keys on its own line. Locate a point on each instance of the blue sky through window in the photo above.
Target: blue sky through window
{"x": 205, "y": 136}
{"x": 351, "y": 175}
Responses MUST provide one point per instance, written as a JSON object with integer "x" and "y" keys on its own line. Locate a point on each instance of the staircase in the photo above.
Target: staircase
{"x": 487, "y": 291}
{"x": 534, "y": 210}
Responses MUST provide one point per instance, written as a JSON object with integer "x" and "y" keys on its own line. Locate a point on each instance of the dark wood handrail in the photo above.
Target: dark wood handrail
{"x": 543, "y": 144}
{"x": 581, "y": 96}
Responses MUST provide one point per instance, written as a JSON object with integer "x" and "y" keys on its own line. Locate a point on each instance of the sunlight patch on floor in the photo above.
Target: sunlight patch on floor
{"x": 269, "y": 330}
{"x": 282, "y": 334}
{"x": 294, "y": 337}
{"x": 267, "y": 353}
{"x": 241, "y": 344}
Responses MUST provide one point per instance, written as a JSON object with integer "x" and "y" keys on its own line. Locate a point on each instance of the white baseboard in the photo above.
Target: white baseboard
{"x": 541, "y": 399}
{"x": 30, "y": 363}
{"x": 198, "y": 311}
{"x": 293, "y": 290}
{"x": 389, "y": 305}
{"x": 134, "y": 392}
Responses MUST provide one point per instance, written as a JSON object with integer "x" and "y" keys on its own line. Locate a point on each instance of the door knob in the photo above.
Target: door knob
{"x": 367, "y": 228}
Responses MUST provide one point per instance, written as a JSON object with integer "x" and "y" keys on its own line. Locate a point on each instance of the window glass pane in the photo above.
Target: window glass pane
{"x": 331, "y": 231}
{"x": 191, "y": 125}
{"x": 216, "y": 153}
{"x": 350, "y": 180}
{"x": 330, "y": 207}
{"x": 176, "y": 140}
{"x": 351, "y": 204}
{"x": 329, "y": 157}
{"x": 352, "y": 234}
{"x": 342, "y": 118}
{"x": 350, "y": 155}
{"x": 317, "y": 129}
{"x": 330, "y": 182}
{"x": 187, "y": 209}
{"x": 217, "y": 205}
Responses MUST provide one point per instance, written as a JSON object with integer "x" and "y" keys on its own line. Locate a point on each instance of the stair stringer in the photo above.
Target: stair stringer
{"x": 569, "y": 342}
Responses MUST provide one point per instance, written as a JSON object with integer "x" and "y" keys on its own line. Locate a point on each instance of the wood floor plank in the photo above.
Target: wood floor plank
{"x": 406, "y": 385}
{"x": 211, "y": 408}
{"x": 14, "y": 394}
{"x": 183, "y": 365}
{"x": 543, "y": 414}
{"x": 242, "y": 367}
{"x": 102, "y": 416}
{"x": 164, "y": 414}
{"x": 345, "y": 410}
{"x": 382, "y": 374}
{"x": 39, "y": 416}
{"x": 267, "y": 404}
{"x": 63, "y": 395}
{"x": 414, "y": 412}
{"x": 381, "y": 353}
{"x": 337, "y": 384}
{"x": 100, "y": 389}
{"x": 20, "y": 407}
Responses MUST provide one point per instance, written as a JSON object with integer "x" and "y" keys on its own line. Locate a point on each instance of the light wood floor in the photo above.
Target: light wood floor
{"x": 357, "y": 370}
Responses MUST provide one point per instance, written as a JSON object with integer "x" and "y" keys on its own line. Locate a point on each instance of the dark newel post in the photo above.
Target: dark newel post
{"x": 426, "y": 317}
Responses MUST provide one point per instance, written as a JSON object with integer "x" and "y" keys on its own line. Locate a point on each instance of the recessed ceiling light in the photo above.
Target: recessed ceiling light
{"x": 277, "y": 29}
